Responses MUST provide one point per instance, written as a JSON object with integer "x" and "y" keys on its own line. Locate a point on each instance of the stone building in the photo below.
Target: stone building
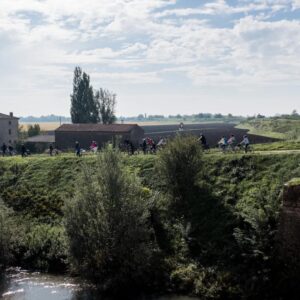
{"x": 8, "y": 129}
{"x": 67, "y": 134}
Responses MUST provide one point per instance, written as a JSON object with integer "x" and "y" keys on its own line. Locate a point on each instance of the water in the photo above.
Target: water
{"x": 19, "y": 284}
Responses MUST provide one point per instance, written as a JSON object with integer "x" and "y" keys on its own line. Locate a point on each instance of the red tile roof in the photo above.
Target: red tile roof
{"x": 113, "y": 128}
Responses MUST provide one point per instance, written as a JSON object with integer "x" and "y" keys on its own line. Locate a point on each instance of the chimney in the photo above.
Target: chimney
{"x": 11, "y": 114}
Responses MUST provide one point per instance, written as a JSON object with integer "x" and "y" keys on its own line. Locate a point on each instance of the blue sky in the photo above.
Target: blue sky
{"x": 158, "y": 56}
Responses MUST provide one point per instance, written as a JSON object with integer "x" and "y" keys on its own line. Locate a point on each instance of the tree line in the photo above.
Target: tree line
{"x": 89, "y": 105}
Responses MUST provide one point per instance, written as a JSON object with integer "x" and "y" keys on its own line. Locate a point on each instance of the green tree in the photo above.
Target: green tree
{"x": 179, "y": 166}
{"x": 84, "y": 106}
{"x": 5, "y": 234}
{"x": 34, "y": 130}
{"x": 108, "y": 226}
{"x": 106, "y": 101}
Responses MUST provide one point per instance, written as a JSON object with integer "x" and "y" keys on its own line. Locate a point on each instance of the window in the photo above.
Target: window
{"x": 9, "y": 122}
{"x": 9, "y": 131}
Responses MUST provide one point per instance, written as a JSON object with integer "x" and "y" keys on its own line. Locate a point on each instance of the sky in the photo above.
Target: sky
{"x": 158, "y": 56}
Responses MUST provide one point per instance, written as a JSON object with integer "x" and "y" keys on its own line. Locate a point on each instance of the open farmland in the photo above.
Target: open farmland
{"x": 213, "y": 132}
{"x": 45, "y": 126}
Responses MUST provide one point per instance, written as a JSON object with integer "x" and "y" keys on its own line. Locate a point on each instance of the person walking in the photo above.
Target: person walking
{"x": 144, "y": 146}
{"x": 77, "y": 149}
{"x": 10, "y": 150}
{"x": 51, "y": 150}
{"x": 203, "y": 142}
{"x": 4, "y": 148}
{"x": 23, "y": 150}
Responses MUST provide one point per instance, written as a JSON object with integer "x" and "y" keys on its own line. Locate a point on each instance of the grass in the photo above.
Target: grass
{"x": 283, "y": 145}
{"x": 38, "y": 186}
{"x": 294, "y": 182}
{"x": 273, "y": 127}
{"x": 261, "y": 132}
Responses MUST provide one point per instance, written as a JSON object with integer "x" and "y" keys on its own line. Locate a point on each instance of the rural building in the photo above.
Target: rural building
{"x": 39, "y": 143}
{"x": 8, "y": 129}
{"x": 67, "y": 134}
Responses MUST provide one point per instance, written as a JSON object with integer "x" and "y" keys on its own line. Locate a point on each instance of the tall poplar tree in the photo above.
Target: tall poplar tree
{"x": 84, "y": 106}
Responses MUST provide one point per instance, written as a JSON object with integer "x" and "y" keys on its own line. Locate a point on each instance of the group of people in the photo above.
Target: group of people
{"x": 150, "y": 146}
{"x": 231, "y": 143}
{"x": 7, "y": 150}
{"x": 227, "y": 143}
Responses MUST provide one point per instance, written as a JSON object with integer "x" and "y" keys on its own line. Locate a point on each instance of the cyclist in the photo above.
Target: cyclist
{"x": 245, "y": 143}
{"x": 223, "y": 143}
{"x": 232, "y": 142}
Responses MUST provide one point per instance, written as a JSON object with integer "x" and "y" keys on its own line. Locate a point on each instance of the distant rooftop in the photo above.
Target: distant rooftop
{"x": 112, "y": 128}
{"x": 41, "y": 139}
{"x": 10, "y": 116}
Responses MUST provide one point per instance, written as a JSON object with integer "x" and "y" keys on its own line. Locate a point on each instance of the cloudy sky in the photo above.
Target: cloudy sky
{"x": 158, "y": 56}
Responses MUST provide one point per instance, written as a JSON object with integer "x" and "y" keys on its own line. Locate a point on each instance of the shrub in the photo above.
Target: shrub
{"x": 108, "y": 226}
{"x": 256, "y": 238}
{"x": 45, "y": 248}
{"x": 5, "y": 235}
{"x": 207, "y": 283}
{"x": 179, "y": 165}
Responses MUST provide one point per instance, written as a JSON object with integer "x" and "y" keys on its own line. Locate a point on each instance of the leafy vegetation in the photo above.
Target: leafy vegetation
{"x": 4, "y": 235}
{"x": 108, "y": 227}
{"x": 33, "y": 130}
{"x": 216, "y": 242}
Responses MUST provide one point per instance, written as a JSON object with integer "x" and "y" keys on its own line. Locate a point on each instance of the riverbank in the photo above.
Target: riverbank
{"x": 20, "y": 284}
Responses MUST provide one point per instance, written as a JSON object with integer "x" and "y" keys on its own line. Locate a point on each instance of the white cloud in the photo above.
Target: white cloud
{"x": 144, "y": 42}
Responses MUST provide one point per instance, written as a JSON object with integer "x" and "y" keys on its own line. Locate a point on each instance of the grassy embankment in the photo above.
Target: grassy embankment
{"x": 36, "y": 187}
{"x": 287, "y": 129}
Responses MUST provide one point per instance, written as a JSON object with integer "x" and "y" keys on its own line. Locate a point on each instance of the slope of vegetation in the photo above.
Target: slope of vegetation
{"x": 213, "y": 217}
{"x": 281, "y": 128}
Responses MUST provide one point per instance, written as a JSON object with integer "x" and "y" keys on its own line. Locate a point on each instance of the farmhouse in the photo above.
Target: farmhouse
{"x": 8, "y": 129}
{"x": 67, "y": 134}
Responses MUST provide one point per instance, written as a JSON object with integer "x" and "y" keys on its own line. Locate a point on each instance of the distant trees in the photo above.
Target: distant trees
{"x": 34, "y": 130}
{"x": 88, "y": 106}
{"x": 106, "y": 102}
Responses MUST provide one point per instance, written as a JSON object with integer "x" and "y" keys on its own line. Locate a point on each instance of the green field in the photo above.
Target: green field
{"x": 287, "y": 129}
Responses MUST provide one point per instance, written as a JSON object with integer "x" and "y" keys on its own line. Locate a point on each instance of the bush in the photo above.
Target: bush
{"x": 108, "y": 226}
{"x": 45, "y": 248}
{"x": 179, "y": 166}
{"x": 5, "y": 235}
{"x": 256, "y": 239}
{"x": 207, "y": 283}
